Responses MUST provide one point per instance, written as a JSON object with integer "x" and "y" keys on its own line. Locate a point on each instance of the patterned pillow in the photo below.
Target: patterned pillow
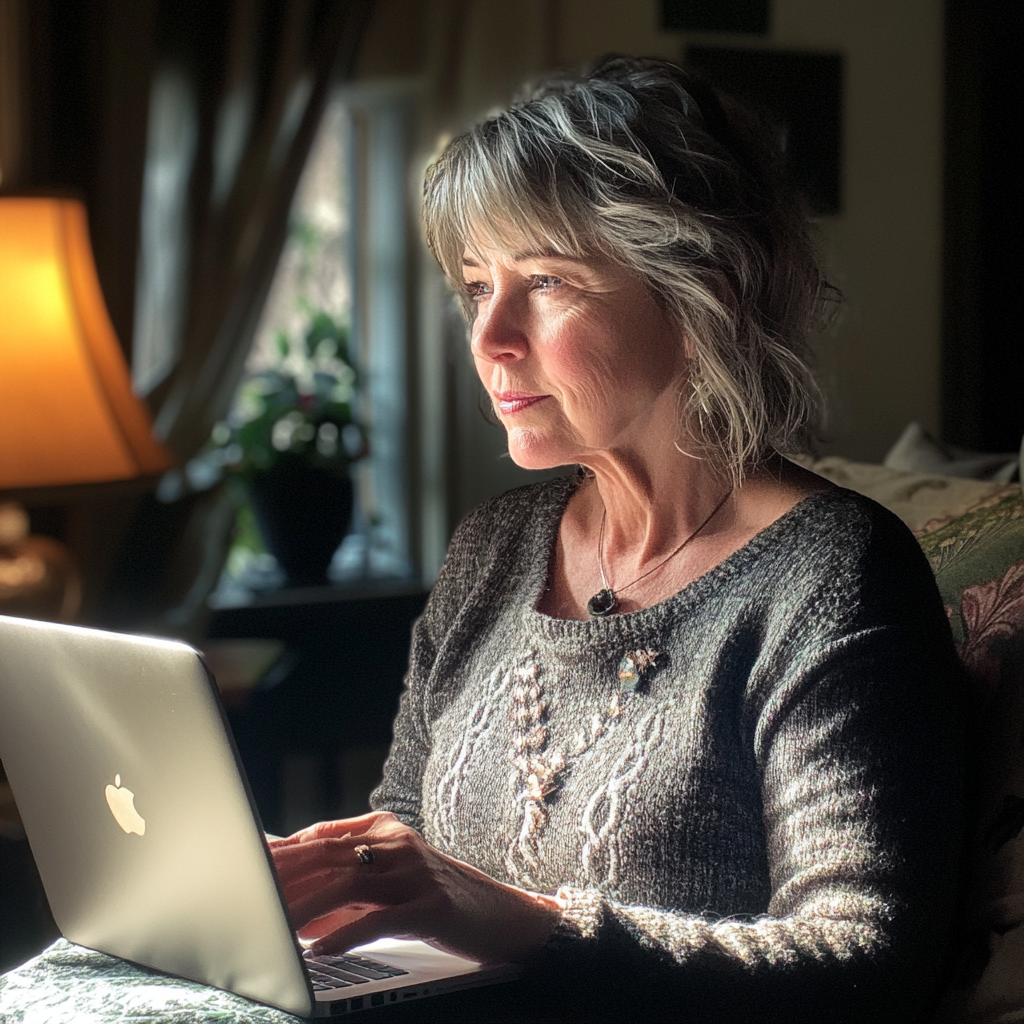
{"x": 978, "y": 559}
{"x": 922, "y": 502}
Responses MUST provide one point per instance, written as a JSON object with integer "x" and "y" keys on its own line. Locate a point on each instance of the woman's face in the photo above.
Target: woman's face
{"x": 577, "y": 357}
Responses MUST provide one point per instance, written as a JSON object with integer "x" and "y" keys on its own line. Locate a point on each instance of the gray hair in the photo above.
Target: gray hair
{"x": 639, "y": 163}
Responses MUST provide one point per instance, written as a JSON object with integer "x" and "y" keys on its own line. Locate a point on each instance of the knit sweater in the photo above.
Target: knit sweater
{"x": 747, "y": 794}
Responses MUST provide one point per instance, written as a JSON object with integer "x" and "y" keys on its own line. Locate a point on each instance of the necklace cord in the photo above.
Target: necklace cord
{"x": 600, "y": 548}
{"x": 666, "y": 559}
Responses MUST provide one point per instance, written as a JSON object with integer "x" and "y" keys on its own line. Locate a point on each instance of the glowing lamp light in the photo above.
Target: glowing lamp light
{"x": 67, "y": 411}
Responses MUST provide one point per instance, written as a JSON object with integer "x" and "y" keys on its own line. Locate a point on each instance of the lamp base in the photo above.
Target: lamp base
{"x": 38, "y": 579}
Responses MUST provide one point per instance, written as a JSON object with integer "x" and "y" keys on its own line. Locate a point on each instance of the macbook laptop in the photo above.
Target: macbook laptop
{"x": 145, "y": 834}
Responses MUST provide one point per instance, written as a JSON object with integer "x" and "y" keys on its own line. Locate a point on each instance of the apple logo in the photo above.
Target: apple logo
{"x": 122, "y": 806}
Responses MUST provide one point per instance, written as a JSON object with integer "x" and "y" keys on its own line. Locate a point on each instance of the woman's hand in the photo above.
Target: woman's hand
{"x": 402, "y": 889}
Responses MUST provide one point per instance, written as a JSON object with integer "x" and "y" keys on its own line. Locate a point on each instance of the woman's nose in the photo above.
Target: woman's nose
{"x": 498, "y": 334}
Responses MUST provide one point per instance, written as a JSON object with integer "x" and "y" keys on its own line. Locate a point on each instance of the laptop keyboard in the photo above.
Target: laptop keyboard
{"x": 346, "y": 969}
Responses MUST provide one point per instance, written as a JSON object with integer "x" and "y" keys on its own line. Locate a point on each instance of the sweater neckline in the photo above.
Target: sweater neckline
{"x": 612, "y": 630}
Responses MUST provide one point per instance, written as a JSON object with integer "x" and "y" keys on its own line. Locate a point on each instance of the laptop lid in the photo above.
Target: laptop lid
{"x": 137, "y": 812}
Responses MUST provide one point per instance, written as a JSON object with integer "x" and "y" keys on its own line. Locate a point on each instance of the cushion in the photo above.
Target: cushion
{"x": 916, "y": 451}
{"x": 923, "y": 502}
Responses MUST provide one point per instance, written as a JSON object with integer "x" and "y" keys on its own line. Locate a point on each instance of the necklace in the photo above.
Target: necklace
{"x": 606, "y": 600}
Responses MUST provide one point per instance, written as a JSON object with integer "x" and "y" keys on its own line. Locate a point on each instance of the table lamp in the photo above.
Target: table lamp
{"x": 68, "y": 415}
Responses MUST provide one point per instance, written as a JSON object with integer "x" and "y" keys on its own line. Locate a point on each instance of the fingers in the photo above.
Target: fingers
{"x": 358, "y": 932}
{"x": 361, "y": 826}
{"x": 332, "y": 921}
{"x": 343, "y": 828}
{"x": 328, "y": 885}
{"x": 321, "y": 859}
{"x": 326, "y": 846}
{"x": 319, "y": 876}
{"x": 347, "y": 885}
{"x": 303, "y": 894}
{"x": 312, "y": 898}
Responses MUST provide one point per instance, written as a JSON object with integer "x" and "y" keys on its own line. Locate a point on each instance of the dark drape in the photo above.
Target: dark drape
{"x": 250, "y": 79}
{"x": 982, "y": 354}
{"x": 262, "y": 70}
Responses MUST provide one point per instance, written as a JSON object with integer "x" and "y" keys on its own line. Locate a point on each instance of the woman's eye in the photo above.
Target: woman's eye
{"x": 545, "y": 282}
{"x": 476, "y": 289}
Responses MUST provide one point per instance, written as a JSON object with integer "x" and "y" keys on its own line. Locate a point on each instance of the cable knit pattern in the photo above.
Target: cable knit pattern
{"x": 608, "y": 808}
{"x": 747, "y": 795}
{"x": 478, "y": 721}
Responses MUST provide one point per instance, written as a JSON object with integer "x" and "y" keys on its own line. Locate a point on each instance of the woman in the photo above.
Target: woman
{"x": 676, "y": 730}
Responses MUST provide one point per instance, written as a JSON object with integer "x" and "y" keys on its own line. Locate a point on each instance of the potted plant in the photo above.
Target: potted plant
{"x": 291, "y": 437}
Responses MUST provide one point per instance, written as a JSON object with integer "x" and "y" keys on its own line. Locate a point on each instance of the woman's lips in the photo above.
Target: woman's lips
{"x": 516, "y": 401}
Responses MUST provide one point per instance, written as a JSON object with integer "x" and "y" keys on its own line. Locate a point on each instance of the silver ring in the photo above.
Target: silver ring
{"x": 365, "y": 854}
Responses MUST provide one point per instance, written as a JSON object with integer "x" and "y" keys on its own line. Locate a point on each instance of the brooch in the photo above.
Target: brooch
{"x": 633, "y": 666}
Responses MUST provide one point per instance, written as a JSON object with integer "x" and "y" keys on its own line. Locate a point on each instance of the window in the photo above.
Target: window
{"x": 350, "y": 255}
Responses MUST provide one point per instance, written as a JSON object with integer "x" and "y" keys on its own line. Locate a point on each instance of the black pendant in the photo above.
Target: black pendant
{"x": 604, "y": 602}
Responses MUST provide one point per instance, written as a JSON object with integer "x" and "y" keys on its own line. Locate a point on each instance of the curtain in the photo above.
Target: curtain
{"x": 10, "y": 90}
{"x": 245, "y": 126}
{"x": 184, "y": 125}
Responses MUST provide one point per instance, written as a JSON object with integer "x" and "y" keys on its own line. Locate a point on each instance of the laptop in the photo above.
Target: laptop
{"x": 146, "y": 836}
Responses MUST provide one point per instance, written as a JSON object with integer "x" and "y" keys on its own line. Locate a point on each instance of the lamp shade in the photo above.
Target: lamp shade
{"x": 67, "y": 411}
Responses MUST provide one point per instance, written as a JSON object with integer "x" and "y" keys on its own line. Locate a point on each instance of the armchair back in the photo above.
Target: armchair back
{"x": 973, "y": 535}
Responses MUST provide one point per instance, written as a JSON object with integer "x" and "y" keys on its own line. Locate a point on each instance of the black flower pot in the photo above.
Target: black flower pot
{"x": 303, "y": 512}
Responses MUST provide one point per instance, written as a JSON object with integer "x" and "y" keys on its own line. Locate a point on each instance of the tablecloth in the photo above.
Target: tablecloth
{"x": 68, "y": 983}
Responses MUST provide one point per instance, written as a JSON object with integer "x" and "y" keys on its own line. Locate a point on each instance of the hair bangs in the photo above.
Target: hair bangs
{"x": 477, "y": 198}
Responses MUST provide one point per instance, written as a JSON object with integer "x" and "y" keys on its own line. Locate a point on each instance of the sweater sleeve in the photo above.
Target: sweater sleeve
{"x": 401, "y": 788}
{"x": 856, "y": 744}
